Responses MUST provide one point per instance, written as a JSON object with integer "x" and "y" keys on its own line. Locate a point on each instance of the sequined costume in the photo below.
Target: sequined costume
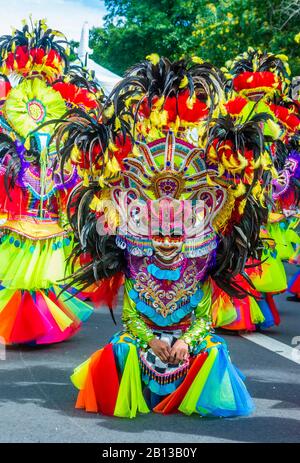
{"x": 260, "y": 83}
{"x": 36, "y": 239}
{"x": 200, "y": 181}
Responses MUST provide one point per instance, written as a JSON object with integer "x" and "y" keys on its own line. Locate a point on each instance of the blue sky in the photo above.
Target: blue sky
{"x": 64, "y": 15}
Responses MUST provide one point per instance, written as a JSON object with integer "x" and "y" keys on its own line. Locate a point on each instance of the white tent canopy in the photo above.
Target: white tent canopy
{"x": 103, "y": 76}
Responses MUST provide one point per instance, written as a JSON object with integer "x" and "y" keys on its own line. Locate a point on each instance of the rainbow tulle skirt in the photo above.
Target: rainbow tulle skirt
{"x": 114, "y": 381}
{"x": 258, "y": 308}
{"x": 31, "y": 307}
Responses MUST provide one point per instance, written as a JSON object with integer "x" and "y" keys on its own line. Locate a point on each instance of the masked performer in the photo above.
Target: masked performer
{"x": 144, "y": 159}
{"x": 36, "y": 239}
{"x": 260, "y": 83}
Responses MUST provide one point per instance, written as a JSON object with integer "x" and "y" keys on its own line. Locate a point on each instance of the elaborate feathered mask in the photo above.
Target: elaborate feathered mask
{"x": 161, "y": 137}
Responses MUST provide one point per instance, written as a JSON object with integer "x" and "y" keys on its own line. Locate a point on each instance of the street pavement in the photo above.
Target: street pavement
{"x": 37, "y": 398}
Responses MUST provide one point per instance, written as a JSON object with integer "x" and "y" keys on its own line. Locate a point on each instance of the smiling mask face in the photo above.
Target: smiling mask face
{"x": 167, "y": 248}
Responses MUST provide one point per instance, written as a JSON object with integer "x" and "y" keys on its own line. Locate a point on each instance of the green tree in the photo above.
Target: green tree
{"x": 215, "y": 30}
{"x": 227, "y": 28}
{"x": 73, "y": 50}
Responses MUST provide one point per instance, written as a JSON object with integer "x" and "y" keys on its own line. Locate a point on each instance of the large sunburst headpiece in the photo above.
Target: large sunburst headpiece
{"x": 31, "y": 104}
{"x": 166, "y": 168}
{"x": 166, "y": 193}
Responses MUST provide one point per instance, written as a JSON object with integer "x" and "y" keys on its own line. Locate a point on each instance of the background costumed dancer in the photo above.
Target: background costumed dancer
{"x": 259, "y": 82}
{"x": 37, "y": 85}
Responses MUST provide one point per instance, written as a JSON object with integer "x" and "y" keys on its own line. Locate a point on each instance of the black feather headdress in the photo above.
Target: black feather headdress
{"x": 33, "y": 49}
{"x": 82, "y": 131}
{"x": 159, "y": 78}
{"x": 82, "y": 78}
{"x": 256, "y": 69}
{"x": 81, "y": 138}
{"x": 103, "y": 257}
{"x": 258, "y": 61}
{"x": 238, "y": 148}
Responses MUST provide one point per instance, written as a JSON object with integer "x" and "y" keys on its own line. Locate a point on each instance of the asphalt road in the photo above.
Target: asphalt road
{"x": 37, "y": 398}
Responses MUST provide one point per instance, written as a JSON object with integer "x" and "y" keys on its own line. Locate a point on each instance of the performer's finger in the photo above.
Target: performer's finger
{"x": 183, "y": 355}
{"x": 164, "y": 356}
{"x": 179, "y": 356}
{"x": 171, "y": 359}
{"x": 175, "y": 359}
{"x": 168, "y": 349}
{"x": 174, "y": 356}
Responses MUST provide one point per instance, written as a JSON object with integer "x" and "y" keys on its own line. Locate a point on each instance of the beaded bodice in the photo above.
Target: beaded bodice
{"x": 166, "y": 295}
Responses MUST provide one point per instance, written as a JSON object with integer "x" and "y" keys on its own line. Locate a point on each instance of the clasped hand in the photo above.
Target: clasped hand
{"x": 176, "y": 354}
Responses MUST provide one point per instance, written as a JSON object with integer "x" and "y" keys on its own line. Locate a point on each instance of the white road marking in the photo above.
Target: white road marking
{"x": 291, "y": 353}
